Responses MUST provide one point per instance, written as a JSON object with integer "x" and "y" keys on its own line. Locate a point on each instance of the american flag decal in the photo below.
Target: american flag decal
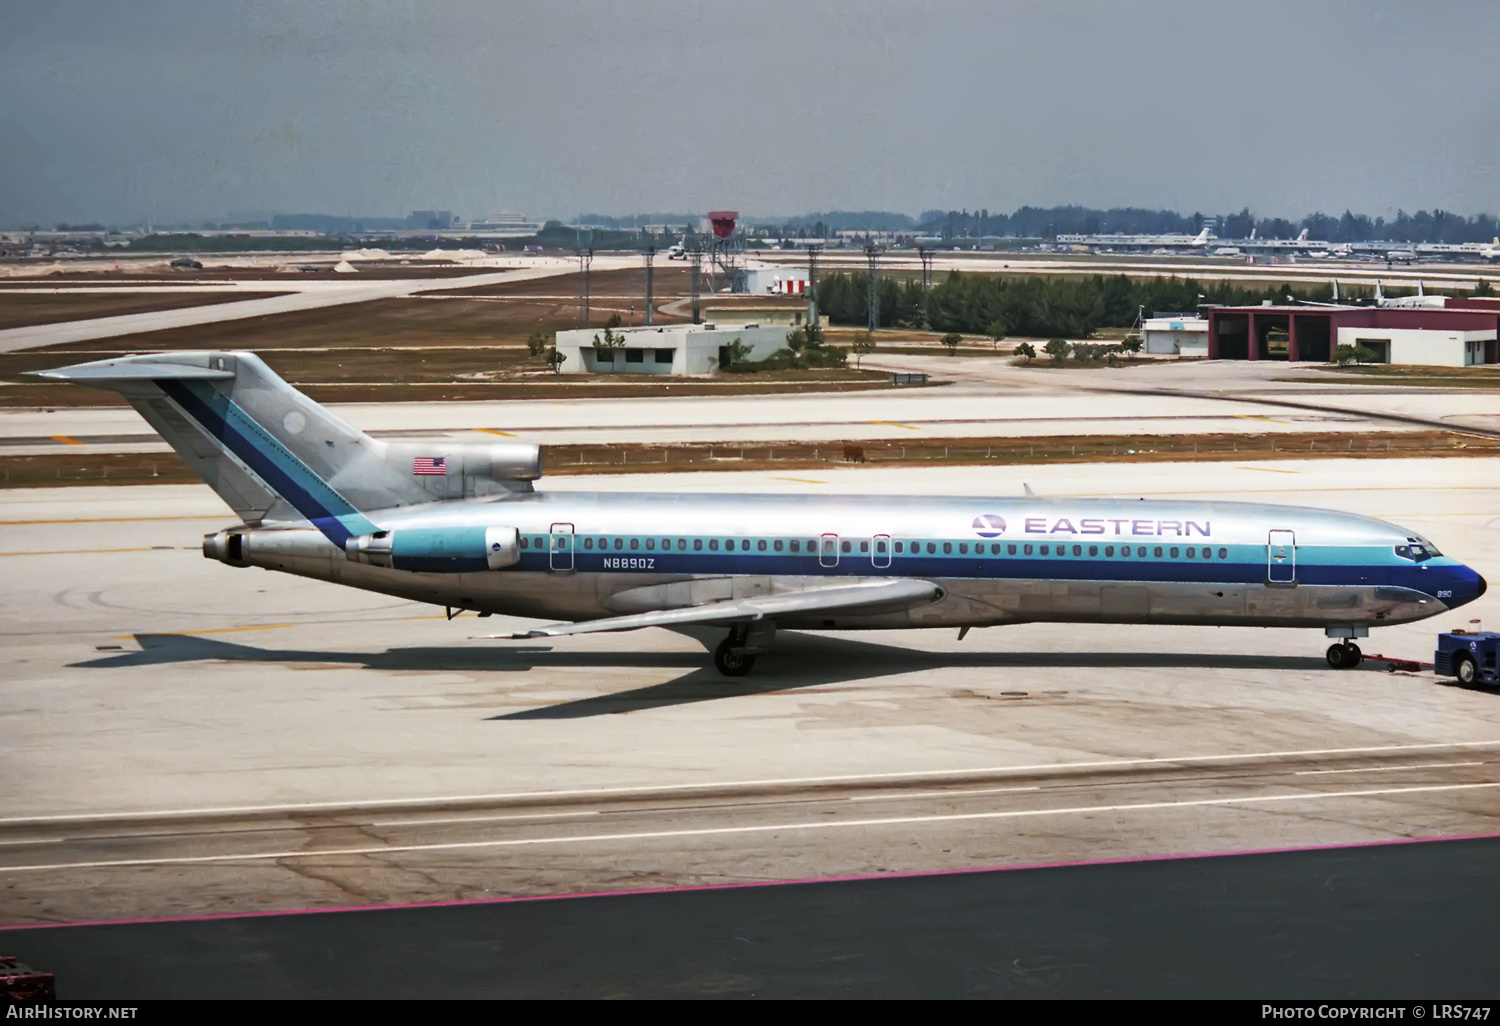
{"x": 430, "y": 466}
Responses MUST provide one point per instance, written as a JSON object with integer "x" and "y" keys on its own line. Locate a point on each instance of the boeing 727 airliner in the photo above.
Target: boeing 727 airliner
{"x": 462, "y": 526}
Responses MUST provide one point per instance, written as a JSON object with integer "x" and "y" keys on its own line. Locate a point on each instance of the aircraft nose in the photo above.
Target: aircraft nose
{"x": 1480, "y": 585}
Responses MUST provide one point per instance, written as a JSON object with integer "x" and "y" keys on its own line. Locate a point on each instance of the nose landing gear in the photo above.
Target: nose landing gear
{"x": 1344, "y": 656}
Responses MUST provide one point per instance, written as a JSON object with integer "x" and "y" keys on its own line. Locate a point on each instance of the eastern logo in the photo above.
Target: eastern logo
{"x": 987, "y": 525}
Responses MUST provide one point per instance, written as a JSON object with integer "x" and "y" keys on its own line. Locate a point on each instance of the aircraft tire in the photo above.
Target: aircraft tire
{"x": 1465, "y": 670}
{"x": 1352, "y": 656}
{"x": 731, "y": 663}
{"x": 1336, "y": 656}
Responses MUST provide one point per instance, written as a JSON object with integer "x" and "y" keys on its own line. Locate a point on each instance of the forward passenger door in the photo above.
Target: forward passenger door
{"x": 1281, "y": 557}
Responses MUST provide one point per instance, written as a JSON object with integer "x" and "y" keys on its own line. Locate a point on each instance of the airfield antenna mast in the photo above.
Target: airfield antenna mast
{"x": 872, "y": 258}
{"x": 650, "y": 256}
{"x": 925, "y": 255}
{"x": 585, "y": 260}
{"x": 697, "y": 274}
{"x": 812, "y": 283}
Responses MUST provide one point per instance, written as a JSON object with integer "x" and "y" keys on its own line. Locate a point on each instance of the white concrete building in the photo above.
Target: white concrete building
{"x": 1181, "y": 336}
{"x": 681, "y": 349}
{"x": 1422, "y": 346}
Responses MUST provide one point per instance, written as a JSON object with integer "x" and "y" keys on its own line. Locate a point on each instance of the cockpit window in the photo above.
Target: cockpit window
{"x": 1417, "y": 551}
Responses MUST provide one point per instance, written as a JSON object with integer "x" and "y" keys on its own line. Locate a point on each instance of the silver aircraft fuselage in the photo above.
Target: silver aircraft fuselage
{"x": 586, "y": 556}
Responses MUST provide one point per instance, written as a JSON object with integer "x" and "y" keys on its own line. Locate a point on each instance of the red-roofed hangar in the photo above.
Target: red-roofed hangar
{"x": 1433, "y": 331}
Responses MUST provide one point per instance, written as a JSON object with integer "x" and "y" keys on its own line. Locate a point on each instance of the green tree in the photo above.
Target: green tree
{"x": 796, "y": 339}
{"x": 1025, "y": 352}
{"x": 1131, "y": 346}
{"x": 864, "y": 342}
{"x": 996, "y": 331}
{"x": 613, "y": 322}
{"x": 537, "y": 343}
{"x": 610, "y": 341}
{"x": 555, "y": 360}
{"x": 1347, "y": 354}
{"x": 1483, "y": 288}
{"x": 951, "y": 340}
{"x": 1057, "y": 348}
{"x": 739, "y": 353}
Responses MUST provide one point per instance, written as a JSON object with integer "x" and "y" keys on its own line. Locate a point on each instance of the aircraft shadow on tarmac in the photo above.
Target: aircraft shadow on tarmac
{"x": 799, "y": 661}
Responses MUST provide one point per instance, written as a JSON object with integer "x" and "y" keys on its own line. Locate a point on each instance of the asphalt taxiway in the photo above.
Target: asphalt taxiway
{"x": 182, "y": 738}
{"x": 1402, "y": 922}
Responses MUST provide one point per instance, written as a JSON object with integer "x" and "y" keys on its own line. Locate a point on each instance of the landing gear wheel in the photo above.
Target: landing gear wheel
{"x": 1466, "y": 671}
{"x": 731, "y": 663}
{"x": 1344, "y": 656}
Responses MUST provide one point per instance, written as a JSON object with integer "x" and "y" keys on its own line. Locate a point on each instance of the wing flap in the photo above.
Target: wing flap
{"x": 867, "y": 596}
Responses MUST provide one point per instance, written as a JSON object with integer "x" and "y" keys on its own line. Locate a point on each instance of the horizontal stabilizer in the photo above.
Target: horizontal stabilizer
{"x": 120, "y": 370}
{"x": 869, "y": 597}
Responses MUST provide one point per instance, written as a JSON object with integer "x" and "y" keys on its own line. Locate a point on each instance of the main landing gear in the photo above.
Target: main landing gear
{"x": 736, "y": 654}
{"x": 1344, "y": 656}
{"x": 732, "y": 661}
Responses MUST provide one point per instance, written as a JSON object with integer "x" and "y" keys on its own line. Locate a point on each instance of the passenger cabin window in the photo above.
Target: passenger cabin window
{"x": 1223, "y": 553}
{"x": 760, "y": 546}
{"x": 900, "y": 547}
{"x": 697, "y": 544}
{"x": 844, "y": 547}
{"x": 796, "y": 545}
{"x": 713, "y": 545}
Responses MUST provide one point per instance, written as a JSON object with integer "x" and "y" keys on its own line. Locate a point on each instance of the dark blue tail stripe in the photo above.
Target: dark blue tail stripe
{"x": 271, "y": 460}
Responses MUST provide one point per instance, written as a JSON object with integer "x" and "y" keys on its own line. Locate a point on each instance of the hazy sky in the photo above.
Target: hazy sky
{"x": 116, "y": 111}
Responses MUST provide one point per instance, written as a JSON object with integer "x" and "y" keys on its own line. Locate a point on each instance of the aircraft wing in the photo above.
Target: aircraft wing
{"x": 867, "y": 597}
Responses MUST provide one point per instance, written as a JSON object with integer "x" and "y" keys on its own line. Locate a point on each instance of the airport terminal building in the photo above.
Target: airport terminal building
{"x": 1433, "y": 331}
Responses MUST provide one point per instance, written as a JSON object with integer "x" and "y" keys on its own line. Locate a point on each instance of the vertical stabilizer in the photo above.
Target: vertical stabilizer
{"x": 275, "y": 455}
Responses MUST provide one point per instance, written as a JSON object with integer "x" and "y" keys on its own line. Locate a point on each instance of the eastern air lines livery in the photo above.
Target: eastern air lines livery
{"x": 462, "y": 526}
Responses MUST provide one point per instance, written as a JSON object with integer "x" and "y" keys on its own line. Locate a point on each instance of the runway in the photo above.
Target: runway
{"x": 300, "y": 295}
{"x": 182, "y": 738}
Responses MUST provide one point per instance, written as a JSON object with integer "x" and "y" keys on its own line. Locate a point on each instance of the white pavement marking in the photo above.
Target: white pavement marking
{"x": 720, "y": 831}
{"x": 605, "y": 792}
{"x": 902, "y": 795}
{"x": 1388, "y": 769}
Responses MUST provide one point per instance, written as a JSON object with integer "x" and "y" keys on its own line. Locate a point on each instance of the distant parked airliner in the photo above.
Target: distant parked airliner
{"x": 462, "y": 526}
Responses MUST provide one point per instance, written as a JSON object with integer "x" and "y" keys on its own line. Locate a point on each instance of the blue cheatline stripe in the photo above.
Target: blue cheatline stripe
{"x": 998, "y": 568}
{"x": 292, "y": 479}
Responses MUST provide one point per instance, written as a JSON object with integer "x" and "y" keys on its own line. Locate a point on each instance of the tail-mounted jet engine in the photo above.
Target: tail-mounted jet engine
{"x": 437, "y": 550}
